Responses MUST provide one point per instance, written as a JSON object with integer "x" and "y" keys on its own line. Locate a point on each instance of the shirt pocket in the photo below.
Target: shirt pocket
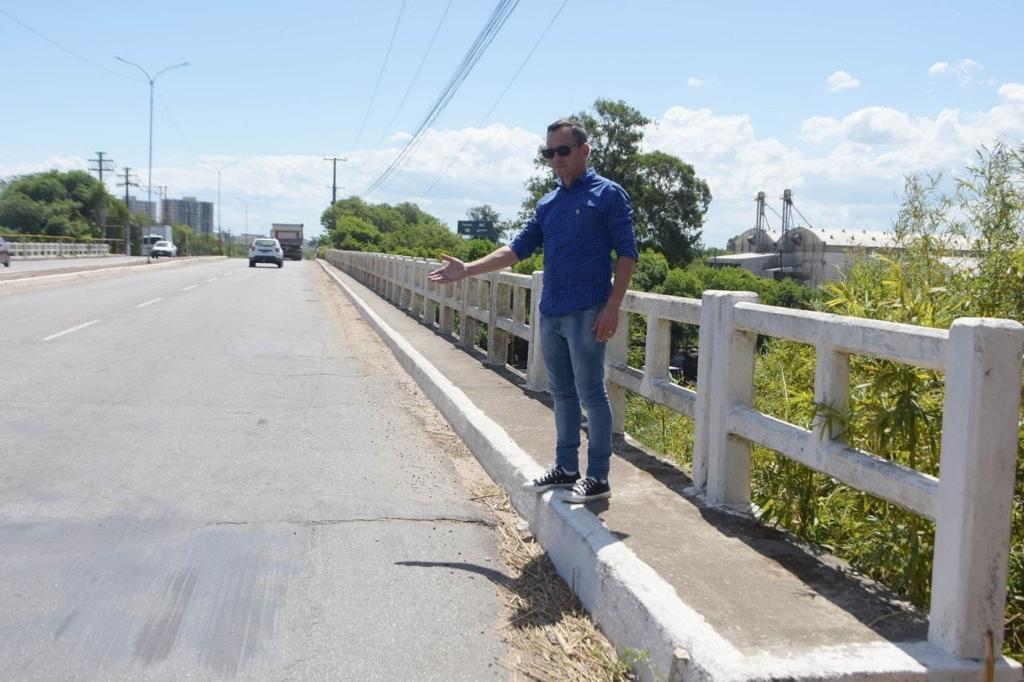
{"x": 586, "y": 220}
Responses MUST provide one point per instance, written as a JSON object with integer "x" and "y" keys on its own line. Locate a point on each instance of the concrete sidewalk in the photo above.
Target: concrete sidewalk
{"x": 709, "y": 595}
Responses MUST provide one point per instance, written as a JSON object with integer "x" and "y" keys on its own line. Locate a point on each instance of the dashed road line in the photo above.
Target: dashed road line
{"x": 188, "y": 288}
{"x": 143, "y": 305}
{"x": 212, "y": 279}
{"x": 68, "y": 331}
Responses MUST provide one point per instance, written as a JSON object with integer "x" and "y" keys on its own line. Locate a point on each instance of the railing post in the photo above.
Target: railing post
{"x": 430, "y": 294}
{"x": 536, "y": 373}
{"x": 657, "y": 351}
{"x": 977, "y": 471}
{"x": 831, "y": 391}
{"x": 467, "y": 325}
{"x": 721, "y": 463}
{"x": 617, "y": 355}
{"x": 499, "y": 306}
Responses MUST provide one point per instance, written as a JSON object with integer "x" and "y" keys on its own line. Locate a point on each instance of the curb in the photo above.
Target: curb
{"x": 633, "y": 605}
{"x": 41, "y": 280}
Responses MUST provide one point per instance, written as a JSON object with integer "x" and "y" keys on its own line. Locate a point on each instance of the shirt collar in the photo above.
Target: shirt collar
{"x": 584, "y": 178}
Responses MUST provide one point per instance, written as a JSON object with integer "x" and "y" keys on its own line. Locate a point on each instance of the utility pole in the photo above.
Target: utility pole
{"x": 334, "y": 179}
{"x": 101, "y": 165}
{"x": 128, "y": 182}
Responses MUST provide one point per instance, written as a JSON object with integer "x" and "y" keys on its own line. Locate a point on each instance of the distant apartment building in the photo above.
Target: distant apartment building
{"x": 189, "y": 211}
{"x": 140, "y": 206}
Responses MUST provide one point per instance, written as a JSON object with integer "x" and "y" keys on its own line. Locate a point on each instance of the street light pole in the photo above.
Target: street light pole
{"x": 247, "y": 202}
{"x": 219, "y": 169}
{"x": 152, "y": 82}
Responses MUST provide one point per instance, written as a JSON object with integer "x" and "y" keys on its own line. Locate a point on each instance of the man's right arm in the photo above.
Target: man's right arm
{"x": 454, "y": 269}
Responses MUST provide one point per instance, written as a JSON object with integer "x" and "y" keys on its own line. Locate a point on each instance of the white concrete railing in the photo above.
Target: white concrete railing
{"x": 971, "y": 504}
{"x": 57, "y": 249}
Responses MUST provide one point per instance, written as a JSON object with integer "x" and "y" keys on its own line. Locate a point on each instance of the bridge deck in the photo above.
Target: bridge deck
{"x": 770, "y": 597}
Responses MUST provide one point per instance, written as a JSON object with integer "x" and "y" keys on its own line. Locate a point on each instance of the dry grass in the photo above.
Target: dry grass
{"x": 549, "y": 635}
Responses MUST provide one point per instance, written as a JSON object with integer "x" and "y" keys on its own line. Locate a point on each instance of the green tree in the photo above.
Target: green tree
{"x": 182, "y": 236}
{"x": 352, "y": 233}
{"x": 651, "y": 270}
{"x": 403, "y": 229}
{"x": 63, "y": 204}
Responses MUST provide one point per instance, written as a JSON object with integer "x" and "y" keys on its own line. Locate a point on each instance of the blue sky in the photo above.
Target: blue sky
{"x": 837, "y": 102}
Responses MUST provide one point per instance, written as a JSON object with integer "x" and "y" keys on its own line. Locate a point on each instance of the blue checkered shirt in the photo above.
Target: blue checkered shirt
{"x": 578, "y": 227}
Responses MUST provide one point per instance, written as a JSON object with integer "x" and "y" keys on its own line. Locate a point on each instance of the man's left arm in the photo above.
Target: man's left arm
{"x": 608, "y": 319}
{"x": 620, "y": 227}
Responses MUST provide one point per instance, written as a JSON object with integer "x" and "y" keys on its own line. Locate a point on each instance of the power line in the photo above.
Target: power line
{"x": 497, "y": 101}
{"x": 62, "y": 48}
{"x": 177, "y": 129}
{"x": 483, "y": 40}
{"x": 380, "y": 76}
{"x": 415, "y": 77}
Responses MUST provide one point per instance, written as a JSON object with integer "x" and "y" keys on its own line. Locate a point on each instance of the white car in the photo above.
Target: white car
{"x": 163, "y": 248}
{"x": 266, "y": 250}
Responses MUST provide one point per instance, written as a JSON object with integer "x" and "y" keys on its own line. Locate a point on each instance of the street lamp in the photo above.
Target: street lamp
{"x": 152, "y": 81}
{"x": 220, "y": 169}
{"x": 247, "y": 202}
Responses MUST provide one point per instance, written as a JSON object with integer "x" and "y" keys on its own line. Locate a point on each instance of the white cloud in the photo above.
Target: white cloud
{"x": 840, "y": 80}
{"x": 966, "y": 71}
{"x": 1012, "y": 91}
{"x": 694, "y": 82}
{"x": 846, "y": 172}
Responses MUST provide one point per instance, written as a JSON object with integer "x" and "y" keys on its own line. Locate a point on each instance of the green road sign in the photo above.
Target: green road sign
{"x": 476, "y": 228}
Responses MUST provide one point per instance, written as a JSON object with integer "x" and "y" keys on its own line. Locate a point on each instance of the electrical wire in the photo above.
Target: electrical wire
{"x": 177, "y": 129}
{"x": 65, "y": 49}
{"x": 380, "y": 76}
{"x": 483, "y": 40}
{"x": 415, "y": 77}
{"x": 494, "y": 106}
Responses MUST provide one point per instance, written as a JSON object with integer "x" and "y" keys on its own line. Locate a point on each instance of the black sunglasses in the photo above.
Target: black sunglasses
{"x": 562, "y": 150}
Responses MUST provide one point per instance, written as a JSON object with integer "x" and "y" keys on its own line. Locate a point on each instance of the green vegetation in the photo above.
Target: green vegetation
{"x": 353, "y": 225}
{"x": 62, "y": 204}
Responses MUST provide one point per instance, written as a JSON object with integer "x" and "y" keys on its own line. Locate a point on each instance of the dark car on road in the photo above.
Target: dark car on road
{"x": 5, "y": 253}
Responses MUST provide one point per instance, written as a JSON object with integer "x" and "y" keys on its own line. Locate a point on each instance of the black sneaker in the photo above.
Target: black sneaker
{"x": 555, "y": 477}
{"x": 588, "y": 489}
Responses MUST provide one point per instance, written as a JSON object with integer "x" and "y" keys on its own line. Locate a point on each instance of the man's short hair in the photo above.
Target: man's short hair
{"x": 579, "y": 133}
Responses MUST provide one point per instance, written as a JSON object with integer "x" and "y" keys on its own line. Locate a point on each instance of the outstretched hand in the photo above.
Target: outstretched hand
{"x": 452, "y": 271}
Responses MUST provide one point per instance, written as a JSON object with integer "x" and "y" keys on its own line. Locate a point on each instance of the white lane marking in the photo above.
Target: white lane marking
{"x": 68, "y": 331}
{"x": 190, "y": 287}
{"x": 212, "y": 279}
{"x": 143, "y": 305}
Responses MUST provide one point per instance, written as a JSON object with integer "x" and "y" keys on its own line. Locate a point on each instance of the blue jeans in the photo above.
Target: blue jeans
{"x": 575, "y": 364}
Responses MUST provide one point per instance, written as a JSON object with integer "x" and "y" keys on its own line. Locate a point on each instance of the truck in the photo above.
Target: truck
{"x": 153, "y": 234}
{"x": 290, "y": 236}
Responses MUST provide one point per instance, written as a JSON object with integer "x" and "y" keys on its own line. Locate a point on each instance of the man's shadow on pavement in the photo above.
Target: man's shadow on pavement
{"x": 544, "y": 598}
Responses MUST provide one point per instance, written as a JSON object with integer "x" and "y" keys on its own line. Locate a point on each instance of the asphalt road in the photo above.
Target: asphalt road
{"x": 217, "y": 472}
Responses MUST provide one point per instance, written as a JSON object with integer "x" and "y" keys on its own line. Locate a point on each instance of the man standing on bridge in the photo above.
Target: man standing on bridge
{"x": 578, "y": 224}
